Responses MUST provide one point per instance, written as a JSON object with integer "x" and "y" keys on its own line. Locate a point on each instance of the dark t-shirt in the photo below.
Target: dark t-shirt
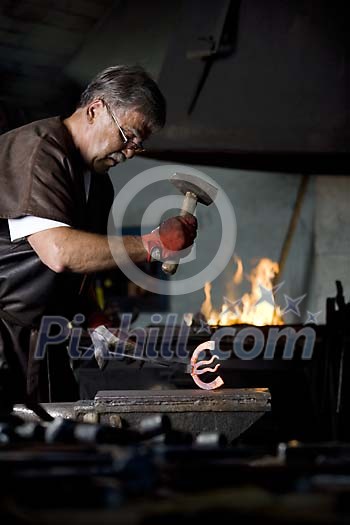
{"x": 41, "y": 173}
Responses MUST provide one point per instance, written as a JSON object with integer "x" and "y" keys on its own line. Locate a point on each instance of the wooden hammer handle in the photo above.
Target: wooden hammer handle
{"x": 188, "y": 206}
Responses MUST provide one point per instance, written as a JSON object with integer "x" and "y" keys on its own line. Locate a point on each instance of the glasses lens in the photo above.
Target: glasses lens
{"x": 138, "y": 148}
{"x": 129, "y": 142}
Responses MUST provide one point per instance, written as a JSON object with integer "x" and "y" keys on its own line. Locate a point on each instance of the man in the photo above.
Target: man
{"x": 54, "y": 203}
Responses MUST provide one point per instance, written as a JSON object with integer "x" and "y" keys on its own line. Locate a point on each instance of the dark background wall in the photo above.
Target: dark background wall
{"x": 280, "y": 83}
{"x": 272, "y": 76}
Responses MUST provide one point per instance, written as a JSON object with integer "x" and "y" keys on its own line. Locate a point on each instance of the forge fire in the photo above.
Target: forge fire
{"x": 256, "y": 307}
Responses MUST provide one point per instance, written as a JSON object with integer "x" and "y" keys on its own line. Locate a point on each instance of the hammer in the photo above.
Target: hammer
{"x": 195, "y": 190}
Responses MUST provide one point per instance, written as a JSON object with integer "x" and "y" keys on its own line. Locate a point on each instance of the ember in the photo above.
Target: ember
{"x": 257, "y": 307}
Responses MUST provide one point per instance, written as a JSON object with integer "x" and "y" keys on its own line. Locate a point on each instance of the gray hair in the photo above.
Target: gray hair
{"x": 128, "y": 87}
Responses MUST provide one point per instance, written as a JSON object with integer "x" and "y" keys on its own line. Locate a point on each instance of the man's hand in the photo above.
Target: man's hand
{"x": 173, "y": 235}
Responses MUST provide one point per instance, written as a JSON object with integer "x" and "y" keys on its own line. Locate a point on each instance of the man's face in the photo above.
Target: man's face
{"x": 104, "y": 144}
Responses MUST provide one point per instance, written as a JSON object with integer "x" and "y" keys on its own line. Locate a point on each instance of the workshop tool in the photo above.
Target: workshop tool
{"x": 210, "y": 440}
{"x": 216, "y": 43}
{"x": 31, "y": 431}
{"x": 293, "y": 223}
{"x": 336, "y": 366}
{"x": 108, "y": 346}
{"x": 195, "y": 190}
{"x": 194, "y": 411}
{"x": 174, "y": 438}
{"x": 69, "y": 431}
{"x": 153, "y": 426}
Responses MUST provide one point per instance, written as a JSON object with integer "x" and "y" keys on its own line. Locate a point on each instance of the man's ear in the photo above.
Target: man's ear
{"x": 93, "y": 110}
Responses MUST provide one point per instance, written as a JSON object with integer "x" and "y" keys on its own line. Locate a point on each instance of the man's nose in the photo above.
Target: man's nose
{"x": 129, "y": 153}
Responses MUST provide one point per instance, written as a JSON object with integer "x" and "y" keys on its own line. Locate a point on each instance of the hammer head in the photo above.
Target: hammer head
{"x": 204, "y": 191}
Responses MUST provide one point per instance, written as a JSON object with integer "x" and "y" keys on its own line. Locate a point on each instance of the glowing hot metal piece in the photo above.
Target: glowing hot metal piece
{"x": 208, "y": 345}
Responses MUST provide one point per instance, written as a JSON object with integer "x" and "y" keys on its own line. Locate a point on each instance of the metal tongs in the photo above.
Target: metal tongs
{"x": 108, "y": 346}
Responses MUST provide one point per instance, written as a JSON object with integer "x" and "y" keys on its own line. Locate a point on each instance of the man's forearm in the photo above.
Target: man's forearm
{"x": 88, "y": 252}
{"x": 66, "y": 249}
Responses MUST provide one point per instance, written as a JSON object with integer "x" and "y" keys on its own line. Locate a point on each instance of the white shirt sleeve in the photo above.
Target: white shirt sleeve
{"x": 24, "y": 226}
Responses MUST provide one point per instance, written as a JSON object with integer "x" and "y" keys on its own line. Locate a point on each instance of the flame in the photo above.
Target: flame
{"x": 207, "y": 307}
{"x": 238, "y": 276}
{"x": 257, "y": 307}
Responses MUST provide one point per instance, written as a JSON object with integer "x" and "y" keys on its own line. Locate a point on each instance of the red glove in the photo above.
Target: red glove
{"x": 173, "y": 235}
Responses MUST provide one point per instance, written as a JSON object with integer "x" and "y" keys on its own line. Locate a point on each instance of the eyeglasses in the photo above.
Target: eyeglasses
{"x": 128, "y": 142}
